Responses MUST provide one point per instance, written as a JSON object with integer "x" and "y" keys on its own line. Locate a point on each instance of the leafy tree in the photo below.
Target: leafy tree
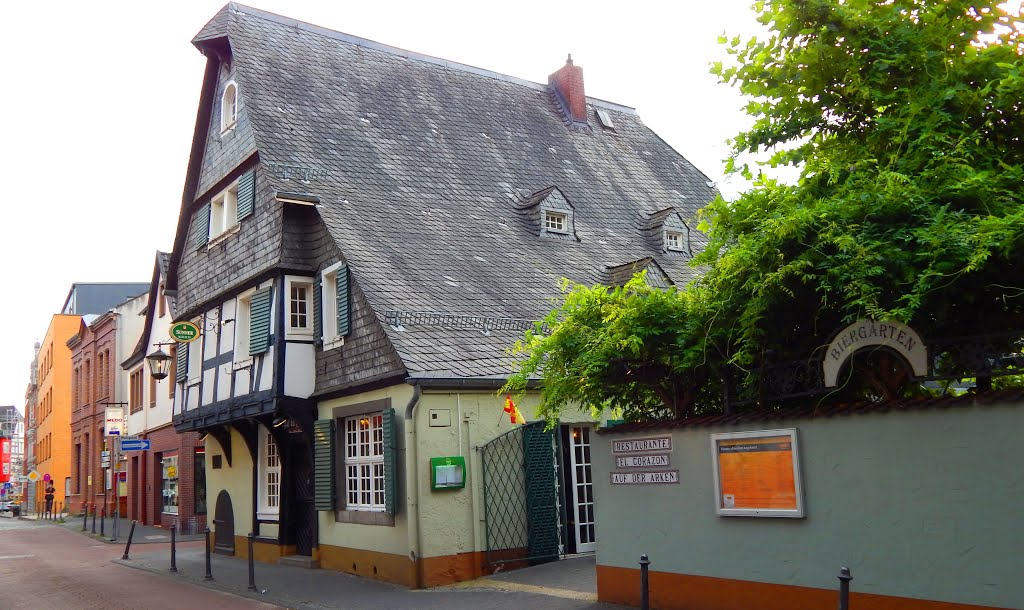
{"x": 633, "y": 347}
{"x": 905, "y": 118}
{"x": 908, "y": 130}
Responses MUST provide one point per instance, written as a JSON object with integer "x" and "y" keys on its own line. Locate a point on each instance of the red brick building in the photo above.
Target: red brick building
{"x": 93, "y": 354}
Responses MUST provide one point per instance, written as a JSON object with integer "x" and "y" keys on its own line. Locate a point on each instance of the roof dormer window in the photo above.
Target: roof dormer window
{"x": 229, "y": 107}
{"x": 549, "y": 214}
{"x": 675, "y": 241}
{"x": 555, "y": 222}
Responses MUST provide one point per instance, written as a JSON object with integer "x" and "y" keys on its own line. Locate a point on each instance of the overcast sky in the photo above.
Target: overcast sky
{"x": 100, "y": 102}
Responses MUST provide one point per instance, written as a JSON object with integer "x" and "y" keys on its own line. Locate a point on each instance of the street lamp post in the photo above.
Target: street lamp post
{"x": 159, "y": 362}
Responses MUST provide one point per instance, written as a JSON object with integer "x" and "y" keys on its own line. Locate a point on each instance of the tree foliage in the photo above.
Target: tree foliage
{"x": 634, "y": 347}
{"x": 906, "y": 120}
{"x": 908, "y": 131}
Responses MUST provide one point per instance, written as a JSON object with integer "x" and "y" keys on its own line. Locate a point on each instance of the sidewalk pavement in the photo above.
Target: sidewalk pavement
{"x": 564, "y": 584}
{"x": 303, "y": 589}
{"x": 144, "y": 534}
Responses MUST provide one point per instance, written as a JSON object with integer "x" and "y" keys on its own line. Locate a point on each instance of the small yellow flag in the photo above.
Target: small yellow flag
{"x": 514, "y": 415}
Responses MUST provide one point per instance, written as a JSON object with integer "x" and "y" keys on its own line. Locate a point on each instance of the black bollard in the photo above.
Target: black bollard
{"x": 85, "y": 516}
{"x": 103, "y": 518}
{"x": 252, "y": 568}
{"x": 94, "y": 518}
{"x": 645, "y": 601}
{"x": 209, "y": 574}
{"x": 128, "y": 546}
{"x": 174, "y": 565}
{"x": 844, "y": 588}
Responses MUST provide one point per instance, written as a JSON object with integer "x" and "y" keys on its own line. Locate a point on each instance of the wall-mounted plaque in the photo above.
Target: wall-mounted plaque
{"x": 757, "y": 473}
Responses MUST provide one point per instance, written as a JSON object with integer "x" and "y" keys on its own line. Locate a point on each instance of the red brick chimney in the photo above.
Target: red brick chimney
{"x": 568, "y": 82}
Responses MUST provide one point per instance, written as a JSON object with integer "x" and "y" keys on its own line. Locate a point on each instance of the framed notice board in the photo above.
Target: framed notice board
{"x": 757, "y": 473}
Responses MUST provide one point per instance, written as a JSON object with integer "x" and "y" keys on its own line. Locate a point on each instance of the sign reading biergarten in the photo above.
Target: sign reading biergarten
{"x": 757, "y": 473}
{"x": 863, "y": 333}
{"x": 184, "y": 331}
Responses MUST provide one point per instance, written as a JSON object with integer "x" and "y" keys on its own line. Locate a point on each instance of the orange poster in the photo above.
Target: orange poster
{"x": 756, "y": 473}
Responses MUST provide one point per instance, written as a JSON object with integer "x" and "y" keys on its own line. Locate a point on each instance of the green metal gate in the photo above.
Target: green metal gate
{"x": 521, "y": 512}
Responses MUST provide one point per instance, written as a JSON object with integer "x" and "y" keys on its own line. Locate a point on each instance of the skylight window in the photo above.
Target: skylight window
{"x": 555, "y": 222}
{"x": 605, "y": 119}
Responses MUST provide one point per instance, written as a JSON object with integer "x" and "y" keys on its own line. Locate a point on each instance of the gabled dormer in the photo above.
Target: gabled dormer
{"x": 549, "y": 214}
{"x": 667, "y": 231}
{"x": 618, "y": 275}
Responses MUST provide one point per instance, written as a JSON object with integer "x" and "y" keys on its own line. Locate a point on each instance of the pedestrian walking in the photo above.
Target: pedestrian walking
{"x": 49, "y": 498}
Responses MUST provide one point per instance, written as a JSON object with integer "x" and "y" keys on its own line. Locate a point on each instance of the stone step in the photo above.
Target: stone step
{"x": 300, "y": 561}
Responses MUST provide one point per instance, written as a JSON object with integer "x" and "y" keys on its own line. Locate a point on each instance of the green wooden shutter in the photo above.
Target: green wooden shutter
{"x": 181, "y": 372}
{"x": 541, "y": 492}
{"x": 201, "y": 226}
{"x": 246, "y": 193}
{"x": 259, "y": 322}
{"x": 390, "y": 460}
{"x": 323, "y": 464}
{"x": 344, "y": 300}
{"x": 318, "y": 324}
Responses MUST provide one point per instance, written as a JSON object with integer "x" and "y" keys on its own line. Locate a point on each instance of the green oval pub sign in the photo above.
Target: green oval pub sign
{"x": 184, "y": 332}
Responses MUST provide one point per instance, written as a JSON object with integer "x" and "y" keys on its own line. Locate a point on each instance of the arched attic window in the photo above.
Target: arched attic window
{"x": 229, "y": 107}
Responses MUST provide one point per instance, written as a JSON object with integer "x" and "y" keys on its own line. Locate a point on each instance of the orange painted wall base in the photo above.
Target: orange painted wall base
{"x": 687, "y": 592}
{"x": 425, "y": 573}
{"x": 398, "y": 569}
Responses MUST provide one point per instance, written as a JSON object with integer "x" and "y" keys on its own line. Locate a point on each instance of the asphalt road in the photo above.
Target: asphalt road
{"x": 44, "y": 567}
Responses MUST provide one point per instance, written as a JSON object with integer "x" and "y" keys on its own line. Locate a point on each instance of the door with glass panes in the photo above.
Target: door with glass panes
{"x": 580, "y": 489}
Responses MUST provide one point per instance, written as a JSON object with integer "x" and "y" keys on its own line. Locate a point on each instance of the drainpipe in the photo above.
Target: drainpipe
{"x": 412, "y": 491}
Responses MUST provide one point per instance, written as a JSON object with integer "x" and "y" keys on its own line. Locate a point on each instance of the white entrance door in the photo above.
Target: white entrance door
{"x": 582, "y": 488}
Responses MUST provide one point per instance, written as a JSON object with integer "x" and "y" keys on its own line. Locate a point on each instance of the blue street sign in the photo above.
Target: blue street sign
{"x": 8, "y": 486}
{"x": 135, "y": 444}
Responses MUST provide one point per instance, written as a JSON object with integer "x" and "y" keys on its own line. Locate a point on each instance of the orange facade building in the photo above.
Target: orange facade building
{"x": 53, "y": 411}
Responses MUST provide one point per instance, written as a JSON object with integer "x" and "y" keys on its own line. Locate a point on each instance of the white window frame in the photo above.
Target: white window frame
{"x": 243, "y": 321}
{"x": 363, "y": 462}
{"x": 224, "y": 211}
{"x": 680, "y": 239}
{"x": 195, "y": 357}
{"x": 556, "y": 222}
{"x": 229, "y": 107}
{"x": 270, "y": 481}
{"x": 329, "y": 307}
{"x": 306, "y": 331}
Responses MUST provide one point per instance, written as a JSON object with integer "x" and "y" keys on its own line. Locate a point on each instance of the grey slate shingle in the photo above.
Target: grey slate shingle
{"x": 422, "y": 168}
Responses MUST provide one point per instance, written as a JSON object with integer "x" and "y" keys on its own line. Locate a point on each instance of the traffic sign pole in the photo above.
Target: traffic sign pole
{"x": 116, "y": 484}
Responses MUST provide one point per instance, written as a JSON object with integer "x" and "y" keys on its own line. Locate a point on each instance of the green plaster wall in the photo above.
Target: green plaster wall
{"x": 382, "y": 538}
{"x": 451, "y": 521}
{"x": 922, "y": 504}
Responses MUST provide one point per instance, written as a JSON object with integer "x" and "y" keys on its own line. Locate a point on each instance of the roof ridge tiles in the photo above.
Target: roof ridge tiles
{"x": 411, "y": 55}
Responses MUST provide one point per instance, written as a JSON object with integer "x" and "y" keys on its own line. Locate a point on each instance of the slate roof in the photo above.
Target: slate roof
{"x": 421, "y": 165}
{"x": 100, "y": 297}
{"x": 159, "y": 270}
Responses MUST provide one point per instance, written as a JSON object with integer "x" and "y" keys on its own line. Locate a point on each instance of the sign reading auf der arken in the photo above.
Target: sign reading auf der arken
{"x": 184, "y": 331}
